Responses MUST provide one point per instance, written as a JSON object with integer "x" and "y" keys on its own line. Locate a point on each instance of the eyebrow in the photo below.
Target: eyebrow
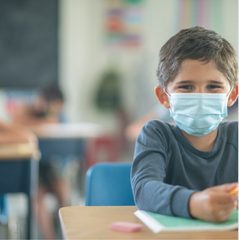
{"x": 210, "y": 81}
{"x": 216, "y": 82}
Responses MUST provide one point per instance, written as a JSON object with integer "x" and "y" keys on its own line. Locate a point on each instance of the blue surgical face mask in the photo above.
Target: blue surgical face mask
{"x": 198, "y": 113}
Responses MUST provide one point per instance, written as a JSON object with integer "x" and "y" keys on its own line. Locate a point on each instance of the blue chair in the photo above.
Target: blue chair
{"x": 3, "y": 209}
{"x": 108, "y": 184}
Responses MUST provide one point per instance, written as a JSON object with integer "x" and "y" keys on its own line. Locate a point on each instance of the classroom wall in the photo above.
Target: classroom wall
{"x": 83, "y": 56}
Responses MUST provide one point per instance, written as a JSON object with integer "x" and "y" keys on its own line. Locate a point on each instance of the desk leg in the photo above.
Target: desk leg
{"x": 32, "y": 197}
{"x": 21, "y": 176}
{"x": 29, "y": 219}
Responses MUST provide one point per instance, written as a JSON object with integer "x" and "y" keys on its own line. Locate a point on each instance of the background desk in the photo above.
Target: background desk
{"x": 65, "y": 139}
{"x": 61, "y": 140}
{"x": 19, "y": 174}
{"x": 81, "y": 130}
{"x": 93, "y": 223}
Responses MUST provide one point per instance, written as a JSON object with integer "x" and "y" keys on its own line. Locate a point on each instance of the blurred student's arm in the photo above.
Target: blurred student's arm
{"x": 157, "y": 112}
{"x": 16, "y": 133}
{"x": 133, "y": 129}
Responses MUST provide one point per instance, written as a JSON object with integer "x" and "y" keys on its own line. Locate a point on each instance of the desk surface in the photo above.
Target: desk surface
{"x": 93, "y": 223}
{"x": 68, "y": 130}
{"x": 18, "y": 151}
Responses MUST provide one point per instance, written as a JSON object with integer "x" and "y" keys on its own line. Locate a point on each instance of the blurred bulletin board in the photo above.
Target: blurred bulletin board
{"x": 124, "y": 23}
{"x": 28, "y": 43}
{"x": 204, "y": 13}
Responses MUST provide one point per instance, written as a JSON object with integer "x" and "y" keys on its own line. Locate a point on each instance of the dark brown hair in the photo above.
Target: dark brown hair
{"x": 196, "y": 43}
{"x": 52, "y": 92}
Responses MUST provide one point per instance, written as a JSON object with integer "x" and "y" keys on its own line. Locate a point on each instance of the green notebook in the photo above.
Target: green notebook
{"x": 158, "y": 222}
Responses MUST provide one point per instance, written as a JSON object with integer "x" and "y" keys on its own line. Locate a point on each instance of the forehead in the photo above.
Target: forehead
{"x": 199, "y": 71}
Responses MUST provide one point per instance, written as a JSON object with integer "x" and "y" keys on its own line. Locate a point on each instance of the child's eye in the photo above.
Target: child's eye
{"x": 185, "y": 87}
{"x": 213, "y": 86}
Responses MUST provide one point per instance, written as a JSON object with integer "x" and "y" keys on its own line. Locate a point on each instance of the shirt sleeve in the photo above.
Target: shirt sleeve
{"x": 149, "y": 170}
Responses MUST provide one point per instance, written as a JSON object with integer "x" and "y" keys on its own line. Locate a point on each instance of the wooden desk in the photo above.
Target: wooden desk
{"x": 93, "y": 223}
{"x": 18, "y": 151}
{"x": 19, "y": 174}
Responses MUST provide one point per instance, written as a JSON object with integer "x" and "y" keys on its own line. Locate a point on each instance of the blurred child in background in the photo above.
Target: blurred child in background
{"x": 47, "y": 108}
{"x": 133, "y": 129}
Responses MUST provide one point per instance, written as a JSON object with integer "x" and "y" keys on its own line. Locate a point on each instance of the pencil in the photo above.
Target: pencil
{"x": 234, "y": 191}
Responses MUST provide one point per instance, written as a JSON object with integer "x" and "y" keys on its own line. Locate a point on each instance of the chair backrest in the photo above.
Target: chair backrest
{"x": 3, "y": 209}
{"x": 108, "y": 184}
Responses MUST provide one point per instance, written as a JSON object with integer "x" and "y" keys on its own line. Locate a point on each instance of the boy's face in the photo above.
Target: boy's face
{"x": 41, "y": 105}
{"x": 197, "y": 77}
{"x": 55, "y": 106}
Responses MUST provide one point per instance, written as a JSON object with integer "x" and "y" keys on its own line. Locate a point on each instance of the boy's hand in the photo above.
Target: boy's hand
{"x": 213, "y": 204}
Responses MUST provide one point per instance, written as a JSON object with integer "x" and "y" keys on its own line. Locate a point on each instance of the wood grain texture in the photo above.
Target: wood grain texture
{"x": 93, "y": 223}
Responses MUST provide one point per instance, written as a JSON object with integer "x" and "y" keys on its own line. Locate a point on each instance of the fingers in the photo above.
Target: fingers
{"x": 222, "y": 215}
{"x": 221, "y": 201}
{"x": 225, "y": 187}
{"x": 224, "y": 207}
{"x": 223, "y": 194}
{"x": 231, "y": 187}
{"x": 218, "y": 212}
{"x": 214, "y": 204}
{"x": 224, "y": 198}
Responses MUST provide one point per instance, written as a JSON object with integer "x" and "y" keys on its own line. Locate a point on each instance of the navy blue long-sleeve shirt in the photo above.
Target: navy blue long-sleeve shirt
{"x": 167, "y": 169}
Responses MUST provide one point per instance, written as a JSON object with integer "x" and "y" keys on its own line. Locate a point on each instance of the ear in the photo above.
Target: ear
{"x": 162, "y": 96}
{"x": 233, "y": 96}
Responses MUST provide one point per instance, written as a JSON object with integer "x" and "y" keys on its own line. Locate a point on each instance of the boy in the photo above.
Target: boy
{"x": 176, "y": 169}
{"x": 47, "y": 107}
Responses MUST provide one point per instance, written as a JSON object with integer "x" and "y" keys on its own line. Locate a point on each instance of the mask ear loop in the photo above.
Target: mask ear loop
{"x": 166, "y": 92}
{"x": 230, "y": 91}
{"x": 170, "y": 110}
